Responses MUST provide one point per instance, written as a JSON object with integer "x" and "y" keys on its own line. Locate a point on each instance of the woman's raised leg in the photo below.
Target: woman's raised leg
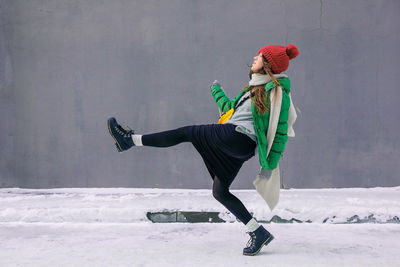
{"x": 125, "y": 139}
{"x": 165, "y": 138}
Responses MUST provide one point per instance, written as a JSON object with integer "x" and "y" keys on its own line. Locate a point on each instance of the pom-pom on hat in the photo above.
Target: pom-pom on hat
{"x": 278, "y": 56}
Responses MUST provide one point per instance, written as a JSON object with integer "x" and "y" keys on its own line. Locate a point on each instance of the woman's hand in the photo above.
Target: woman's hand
{"x": 216, "y": 82}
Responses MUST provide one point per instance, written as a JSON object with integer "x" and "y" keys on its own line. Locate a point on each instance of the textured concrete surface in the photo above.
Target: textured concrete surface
{"x": 65, "y": 66}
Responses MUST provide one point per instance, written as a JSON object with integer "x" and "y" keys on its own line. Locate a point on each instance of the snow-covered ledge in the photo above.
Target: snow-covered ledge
{"x": 127, "y": 205}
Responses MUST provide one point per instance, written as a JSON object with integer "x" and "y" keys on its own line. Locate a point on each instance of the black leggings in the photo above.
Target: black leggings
{"x": 220, "y": 187}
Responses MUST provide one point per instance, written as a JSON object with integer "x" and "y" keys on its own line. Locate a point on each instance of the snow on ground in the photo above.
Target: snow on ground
{"x": 108, "y": 227}
{"x": 127, "y": 205}
{"x": 200, "y": 244}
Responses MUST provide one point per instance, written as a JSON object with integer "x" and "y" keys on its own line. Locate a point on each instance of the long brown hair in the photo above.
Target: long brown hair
{"x": 258, "y": 94}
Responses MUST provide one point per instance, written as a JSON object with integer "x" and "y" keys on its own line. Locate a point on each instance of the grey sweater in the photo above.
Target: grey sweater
{"x": 243, "y": 118}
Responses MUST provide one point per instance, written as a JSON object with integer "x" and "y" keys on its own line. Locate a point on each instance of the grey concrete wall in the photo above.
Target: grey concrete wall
{"x": 66, "y": 66}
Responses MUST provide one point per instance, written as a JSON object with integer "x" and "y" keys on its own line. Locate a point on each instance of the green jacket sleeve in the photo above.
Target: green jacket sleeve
{"x": 223, "y": 102}
{"x": 278, "y": 145}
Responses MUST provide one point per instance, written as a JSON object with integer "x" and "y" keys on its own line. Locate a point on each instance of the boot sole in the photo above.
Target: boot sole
{"x": 109, "y": 130}
{"x": 266, "y": 242}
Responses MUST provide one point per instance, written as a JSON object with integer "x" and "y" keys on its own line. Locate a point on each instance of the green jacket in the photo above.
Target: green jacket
{"x": 261, "y": 121}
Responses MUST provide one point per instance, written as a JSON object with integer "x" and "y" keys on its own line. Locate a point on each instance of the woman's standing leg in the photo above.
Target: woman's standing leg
{"x": 259, "y": 236}
{"x": 231, "y": 202}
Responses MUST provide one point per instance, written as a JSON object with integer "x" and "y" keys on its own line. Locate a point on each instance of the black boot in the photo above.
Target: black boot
{"x": 258, "y": 239}
{"x": 122, "y": 137}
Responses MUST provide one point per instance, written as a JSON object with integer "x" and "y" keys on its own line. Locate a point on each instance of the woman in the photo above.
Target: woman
{"x": 224, "y": 147}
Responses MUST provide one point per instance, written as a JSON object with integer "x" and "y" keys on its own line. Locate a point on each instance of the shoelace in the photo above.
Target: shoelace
{"x": 252, "y": 239}
{"x": 124, "y": 132}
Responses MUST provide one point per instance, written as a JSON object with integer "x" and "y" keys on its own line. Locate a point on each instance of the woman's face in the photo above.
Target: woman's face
{"x": 257, "y": 63}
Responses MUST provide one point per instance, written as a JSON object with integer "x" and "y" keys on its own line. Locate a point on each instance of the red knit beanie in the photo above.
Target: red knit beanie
{"x": 278, "y": 56}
